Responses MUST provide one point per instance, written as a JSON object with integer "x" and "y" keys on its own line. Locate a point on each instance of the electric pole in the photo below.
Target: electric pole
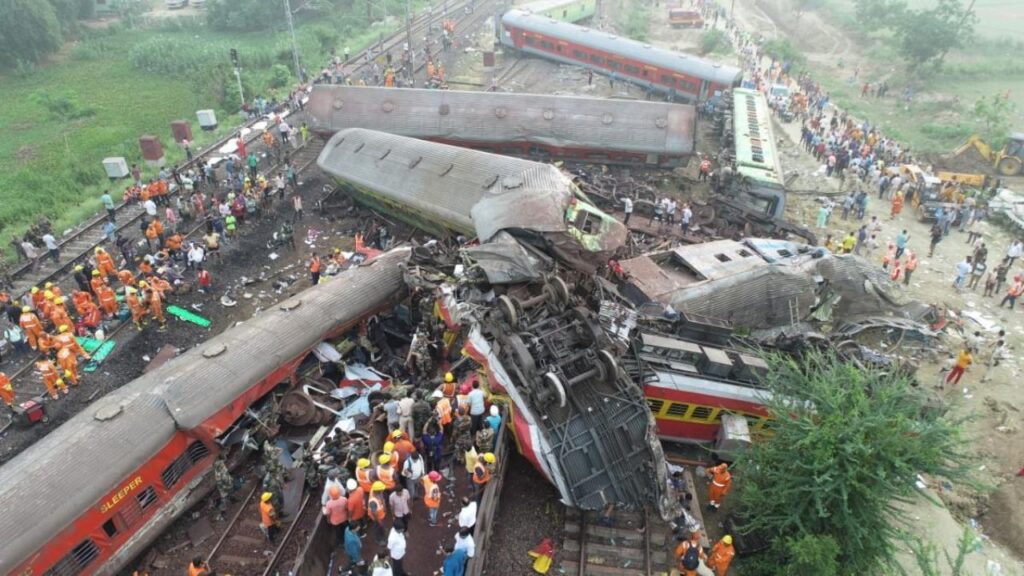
{"x": 408, "y": 26}
{"x": 238, "y": 75}
{"x": 295, "y": 46}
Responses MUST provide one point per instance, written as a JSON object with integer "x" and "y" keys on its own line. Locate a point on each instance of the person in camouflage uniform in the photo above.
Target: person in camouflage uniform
{"x": 462, "y": 437}
{"x": 421, "y": 410}
{"x": 274, "y": 474}
{"x": 485, "y": 438}
{"x": 224, "y": 482}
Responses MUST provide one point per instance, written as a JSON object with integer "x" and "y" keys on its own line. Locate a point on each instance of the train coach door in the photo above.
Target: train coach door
{"x": 562, "y": 48}
{"x": 704, "y": 84}
{"x": 650, "y": 73}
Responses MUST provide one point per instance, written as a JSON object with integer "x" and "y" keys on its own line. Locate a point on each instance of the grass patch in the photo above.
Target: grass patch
{"x": 137, "y": 81}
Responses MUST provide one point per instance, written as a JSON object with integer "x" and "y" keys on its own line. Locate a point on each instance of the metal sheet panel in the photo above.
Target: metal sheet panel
{"x": 625, "y": 47}
{"x": 495, "y": 117}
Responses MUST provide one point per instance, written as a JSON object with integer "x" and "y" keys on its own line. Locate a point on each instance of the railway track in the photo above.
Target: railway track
{"x": 629, "y": 544}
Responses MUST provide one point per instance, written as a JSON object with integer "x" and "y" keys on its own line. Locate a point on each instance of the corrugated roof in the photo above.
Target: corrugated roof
{"x": 625, "y": 47}
{"x": 496, "y": 117}
{"x": 71, "y": 469}
{"x": 756, "y": 157}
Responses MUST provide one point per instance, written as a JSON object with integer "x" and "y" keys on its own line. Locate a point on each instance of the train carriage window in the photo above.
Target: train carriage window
{"x": 655, "y": 405}
{"x": 579, "y": 54}
{"x": 701, "y": 413}
{"x": 678, "y": 410}
{"x": 630, "y": 69}
{"x": 547, "y": 45}
{"x": 597, "y": 59}
{"x": 614, "y": 65}
{"x": 688, "y": 86}
{"x": 146, "y": 498}
{"x": 530, "y": 41}
{"x": 668, "y": 80}
{"x": 195, "y": 452}
{"x": 109, "y": 528}
{"x": 76, "y": 561}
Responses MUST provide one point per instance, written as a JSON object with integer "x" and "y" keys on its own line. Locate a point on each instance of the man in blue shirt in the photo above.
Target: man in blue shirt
{"x": 454, "y": 562}
{"x": 901, "y": 243}
{"x": 494, "y": 419}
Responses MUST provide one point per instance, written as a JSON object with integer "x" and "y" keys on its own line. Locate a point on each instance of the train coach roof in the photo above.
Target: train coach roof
{"x": 471, "y": 190}
{"x": 625, "y": 47}
{"x": 68, "y": 471}
{"x": 564, "y": 121}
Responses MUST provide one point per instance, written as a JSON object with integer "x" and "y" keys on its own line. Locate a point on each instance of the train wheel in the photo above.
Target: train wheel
{"x": 508, "y": 311}
{"x": 522, "y": 356}
{"x": 557, "y": 294}
{"x": 611, "y": 368}
{"x": 553, "y": 383}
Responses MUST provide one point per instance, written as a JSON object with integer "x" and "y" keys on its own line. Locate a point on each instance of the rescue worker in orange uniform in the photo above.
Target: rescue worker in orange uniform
{"x": 108, "y": 300}
{"x": 268, "y": 516}
{"x": 403, "y": 446}
{"x": 155, "y": 233}
{"x": 721, "y": 555}
{"x": 37, "y": 297}
{"x": 197, "y": 567}
{"x": 356, "y": 504}
{"x": 136, "y": 306}
{"x": 66, "y": 340}
{"x": 30, "y": 323}
{"x": 104, "y": 263}
{"x": 79, "y": 298}
{"x": 46, "y": 306}
{"x": 46, "y": 343}
{"x": 97, "y": 281}
{"x": 432, "y": 496}
{"x": 377, "y": 511}
{"x": 721, "y": 481}
{"x": 50, "y": 378}
{"x": 688, "y": 562}
{"x": 482, "y": 472}
{"x": 90, "y": 317}
{"x": 386, "y": 472}
{"x": 6, "y": 390}
{"x": 314, "y": 269}
{"x": 364, "y": 475}
{"x": 59, "y": 314}
{"x": 57, "y": 292}
{"x": 69, "y": 364}
{"x": 126, "y": 277}
{"x": 156, "y": 308}
{"x": 173, "y": 244}
{"x": 448, "y": 388}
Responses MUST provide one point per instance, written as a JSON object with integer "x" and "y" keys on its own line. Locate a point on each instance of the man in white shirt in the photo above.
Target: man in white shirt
{"x": 51, "y": 247}
{"x": 195, "y": 255}
{"x": 627, "y": 207}
{"x": 150, "y": 207}
{"x": 467, "y": 516}
{"x": 464, "y": 541}
{"x": 396, "y": 547}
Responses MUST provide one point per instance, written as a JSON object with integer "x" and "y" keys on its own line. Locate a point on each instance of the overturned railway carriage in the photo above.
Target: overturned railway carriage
{"x": 441, "y": 188}
{"x": 95, "y": 492}
{"x": 675, "y": 74}
{"x": 535, "y": 126}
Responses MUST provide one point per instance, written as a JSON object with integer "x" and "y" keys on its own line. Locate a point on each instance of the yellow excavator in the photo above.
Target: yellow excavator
{"x": 1008, "y": 162}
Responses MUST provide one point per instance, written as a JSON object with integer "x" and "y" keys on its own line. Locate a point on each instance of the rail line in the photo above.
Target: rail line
{"x": 626, "y": 544}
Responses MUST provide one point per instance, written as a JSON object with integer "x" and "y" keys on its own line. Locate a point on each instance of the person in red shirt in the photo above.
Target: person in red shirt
{"x": 356, "y": 504}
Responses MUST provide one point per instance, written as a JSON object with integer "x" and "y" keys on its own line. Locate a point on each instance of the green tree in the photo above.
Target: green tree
{"x": 994, "y": 113}
{"x": 714, "y": 41}
{"x": 926, "y": 555}
{"x": 784, "y": 51}
{"x": 846, "y": 448}
{"x": 924, "y": 37}
{"x": 29, "y": 31}
{"x": 877, "y": 15}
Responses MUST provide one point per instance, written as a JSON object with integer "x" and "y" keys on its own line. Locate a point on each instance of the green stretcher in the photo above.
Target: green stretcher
{"x": 99, "y": 356}
{"x": 182, "y": 314}
{"x": 89, "y": 344}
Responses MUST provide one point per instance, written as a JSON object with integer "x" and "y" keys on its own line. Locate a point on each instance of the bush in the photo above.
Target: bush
{"x": 279, "y": 76}
{"x": 637, "y": 23}
{"x": 29, "y": 31}
{"x": 714, "y": 41}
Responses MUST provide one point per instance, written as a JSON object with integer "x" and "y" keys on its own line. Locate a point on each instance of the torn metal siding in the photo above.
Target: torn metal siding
{"x": 494, "y": 117}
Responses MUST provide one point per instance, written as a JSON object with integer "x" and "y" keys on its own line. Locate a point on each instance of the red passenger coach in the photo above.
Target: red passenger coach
{"x": 675, "y": 74}
{"x": 95, "y": 492}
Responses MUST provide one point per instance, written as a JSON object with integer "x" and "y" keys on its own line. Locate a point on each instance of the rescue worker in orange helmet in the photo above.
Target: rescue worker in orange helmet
{"x": 46, "y": 306}
{"x": 136, "y": 306}
{"x": 108, "y": 300}
{"x": 268, "y": 516}
{"x": 66, "y": 340}
{"x": 50, "y": 378}
{"x": 104, "y": 263}
{"x": 126, "y": 277}
{"x": 46, "y": 343}
{"x": 376, "y": 510}
{"x": 97, "y": 281}
{"x": 721, "y": 481}
{"x": 69, "y": 364}
{"x": 30, "y": 323}
{"x": 6, "y": 390}
{"x": 448, "y": 388}
{"x": 721, "y": 555}
{"x": 432, "y": 496}
{"x": 57, "y": 292}
{"x": 156, "y": 308}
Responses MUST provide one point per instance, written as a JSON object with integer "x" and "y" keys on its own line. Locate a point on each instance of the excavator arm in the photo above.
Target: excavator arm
{"x": 975, "y": 141}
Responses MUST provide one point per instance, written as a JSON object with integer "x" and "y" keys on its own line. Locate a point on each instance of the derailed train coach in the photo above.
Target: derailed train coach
{"x": 443, "y": 189}
{"x": 95, "y": 492}
{"x": 533, "y": 126}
